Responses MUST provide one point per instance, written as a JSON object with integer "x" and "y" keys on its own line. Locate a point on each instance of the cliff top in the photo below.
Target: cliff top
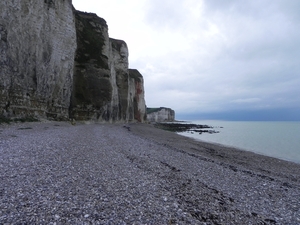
{"x": 135, "y": 74}
{"x": 92, "y": 16}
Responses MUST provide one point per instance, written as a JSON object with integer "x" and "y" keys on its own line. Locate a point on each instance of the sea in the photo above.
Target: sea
{"x": 276, "y": 139}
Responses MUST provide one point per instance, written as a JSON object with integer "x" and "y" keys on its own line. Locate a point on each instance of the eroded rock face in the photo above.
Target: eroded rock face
{"x": 92, "y": 88}
{"x": 161, "y": 114}
{"x": 37, "y": 47}
{"x": 103, "y": 89}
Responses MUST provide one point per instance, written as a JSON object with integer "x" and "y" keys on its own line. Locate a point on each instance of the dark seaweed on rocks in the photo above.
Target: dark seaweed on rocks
{"x": 186, "y": 127}
{"x": 16, "y": 120}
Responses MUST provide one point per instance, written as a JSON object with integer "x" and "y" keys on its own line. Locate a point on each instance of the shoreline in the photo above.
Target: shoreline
{"x": 242, "y": 149}
{"x": 209, "y": 149}
{"x": 106, "y": 174}
{"x": 283, "y": 148}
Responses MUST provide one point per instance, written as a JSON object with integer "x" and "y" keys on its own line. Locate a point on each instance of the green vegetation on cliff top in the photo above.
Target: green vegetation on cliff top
{"x": 152, "y": 110}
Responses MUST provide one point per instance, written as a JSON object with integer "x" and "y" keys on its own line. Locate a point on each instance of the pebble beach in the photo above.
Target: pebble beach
{"x": 58, "y": 173}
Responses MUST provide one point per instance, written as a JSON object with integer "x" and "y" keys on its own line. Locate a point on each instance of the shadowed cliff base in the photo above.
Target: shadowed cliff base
{"x": 6, "y": 120}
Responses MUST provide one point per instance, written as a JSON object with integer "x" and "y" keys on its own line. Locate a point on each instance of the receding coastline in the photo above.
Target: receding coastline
{"x": 103, "y": 173}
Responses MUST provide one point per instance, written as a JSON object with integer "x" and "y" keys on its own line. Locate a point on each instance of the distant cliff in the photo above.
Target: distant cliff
{"x": 60, "y": 63}
{"x": 161, "y": 114}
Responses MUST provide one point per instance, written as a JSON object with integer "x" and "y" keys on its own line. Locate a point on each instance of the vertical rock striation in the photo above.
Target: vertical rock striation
{"x": 92, "y": 87}
{"x": 103, "y": 89}
{"x": 120, "y": 78}
{"x": 60, "y": 63}
{"x": 37, "y": 47}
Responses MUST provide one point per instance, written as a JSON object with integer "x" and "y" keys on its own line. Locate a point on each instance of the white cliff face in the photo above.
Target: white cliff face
{"x": 37, "y": 49}
{"x": 141, "y": 103}
{"x": 161, "y": 115}
{"x": 119, "y": 76}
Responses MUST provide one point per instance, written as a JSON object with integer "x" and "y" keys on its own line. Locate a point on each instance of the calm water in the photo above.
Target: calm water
{"x": 276, "y": 139}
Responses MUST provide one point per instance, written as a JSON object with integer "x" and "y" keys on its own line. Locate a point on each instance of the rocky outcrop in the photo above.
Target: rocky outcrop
{"x": 161, "y": 114}
{"x": 37, "y": 47}
{"x": 60, "y": 63}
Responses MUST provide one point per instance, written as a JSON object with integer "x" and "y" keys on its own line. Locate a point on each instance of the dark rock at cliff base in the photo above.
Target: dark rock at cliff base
{"x": 186, "y": 127}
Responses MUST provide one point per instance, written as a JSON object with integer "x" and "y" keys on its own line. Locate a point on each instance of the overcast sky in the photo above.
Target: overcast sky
{"x": 239, "y": 59}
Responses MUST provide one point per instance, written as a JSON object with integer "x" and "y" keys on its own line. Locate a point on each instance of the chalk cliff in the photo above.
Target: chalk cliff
{"x": 60, "y": 63}
{"x": 37, "y": 47}
{"x": 161, "y": 114}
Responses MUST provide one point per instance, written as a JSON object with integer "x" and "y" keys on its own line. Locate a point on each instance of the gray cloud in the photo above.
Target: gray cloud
{"x": 167, "y": 14}
{"x": 214, "y": 56}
